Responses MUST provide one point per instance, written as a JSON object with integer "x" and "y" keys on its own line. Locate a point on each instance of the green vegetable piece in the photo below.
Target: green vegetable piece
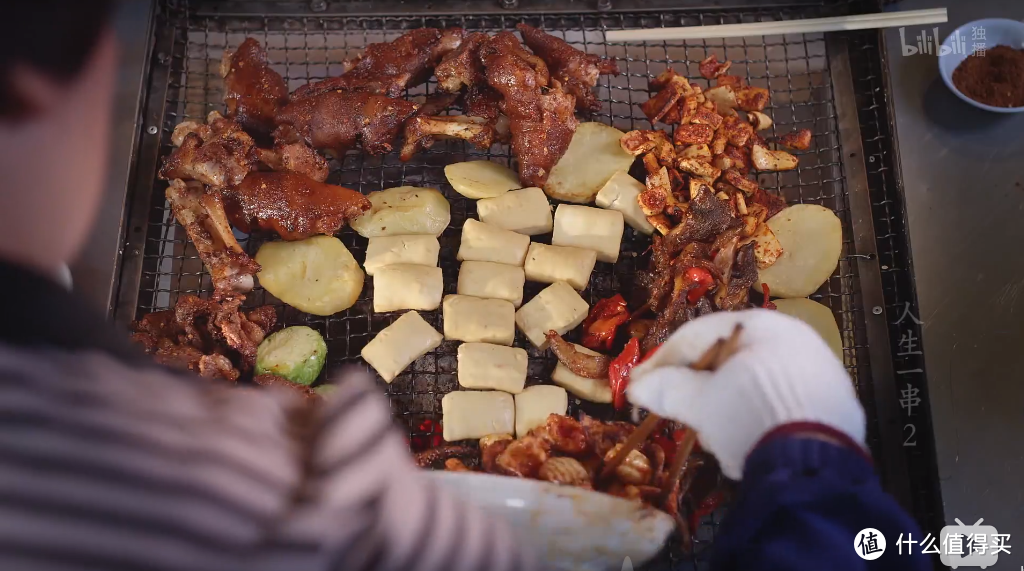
{"x": 325, "y": 390}
{"x": 295, "y": 353}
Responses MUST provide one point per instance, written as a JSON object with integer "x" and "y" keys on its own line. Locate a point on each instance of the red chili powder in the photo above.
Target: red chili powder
{"x": 994, "y": 77}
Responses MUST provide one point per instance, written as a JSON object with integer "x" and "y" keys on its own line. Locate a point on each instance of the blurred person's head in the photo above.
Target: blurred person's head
{"x": 57, "y": 74}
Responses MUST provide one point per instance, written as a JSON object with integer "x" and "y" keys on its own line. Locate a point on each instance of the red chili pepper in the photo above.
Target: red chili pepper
{"x": 600, "y": 326}
{"x": 705, "y": 507}
{"x": 619, "y": 369}
{"x": 704, "y": 281}
{"x": 767, "y": 298}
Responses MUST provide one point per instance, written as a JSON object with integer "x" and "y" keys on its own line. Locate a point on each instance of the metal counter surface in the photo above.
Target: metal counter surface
{"x": 963, "y": 175}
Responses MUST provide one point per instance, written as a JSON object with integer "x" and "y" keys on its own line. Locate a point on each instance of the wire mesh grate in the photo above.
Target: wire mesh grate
{"x": 795, "y": 68}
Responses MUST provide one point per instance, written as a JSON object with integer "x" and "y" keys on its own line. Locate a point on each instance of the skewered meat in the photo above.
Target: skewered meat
{"x": 335, "y": 121}
{"x": 580, "y": 363}
{"x": 293, "y": 205}
{"x": 203, "y": 217}
{"x": 576, "y": 70}
{"x": 219, "y": 153}
{"x": 253, "y": 91}
{"x": 268, "y": 380}
{"x": 542, "y": 124}
{"x": 213, "y": 339}
{"x": 462, "y": 67}
{"x": 389, "y": 68}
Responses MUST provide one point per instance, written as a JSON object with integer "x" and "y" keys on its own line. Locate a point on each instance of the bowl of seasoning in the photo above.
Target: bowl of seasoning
{"x": 982, "y": 62}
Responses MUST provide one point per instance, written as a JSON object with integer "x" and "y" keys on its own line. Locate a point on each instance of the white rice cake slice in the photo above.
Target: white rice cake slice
{"x": 535, "y": 404}
{"x": 526, "y": 211}
{"x": 486, "y": 366}
{"x": 550, "y": 264}
{"x": 620, "y": 193}
{"x": 475, "y": 414}
{"x": 478, "y": 320}
{"x": 557, "y": 307}
{"x": 493, "y": 281}
{"x": 383, "y": 251}
{"x": 487, "y": 243}
{"x": 593, "y": 390}
{"x": 596, "y": 229}
{"x": 399, "y": 344}
{"x": 407, "y": 286}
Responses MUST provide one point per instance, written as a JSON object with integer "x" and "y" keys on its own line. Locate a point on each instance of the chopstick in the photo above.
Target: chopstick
{"x": 808, "y": 26}
{"x": 713, "y": 358}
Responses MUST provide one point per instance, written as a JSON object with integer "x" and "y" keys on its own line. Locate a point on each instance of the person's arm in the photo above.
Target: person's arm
{"x": 782, "y": 416}
{"x": 803, "y": 500}
{"x": 369, "y": 507}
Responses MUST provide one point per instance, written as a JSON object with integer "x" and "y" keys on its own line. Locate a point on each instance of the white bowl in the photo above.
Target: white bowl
{"x": 998, "y": 31}
{"x": 571, "y": 528}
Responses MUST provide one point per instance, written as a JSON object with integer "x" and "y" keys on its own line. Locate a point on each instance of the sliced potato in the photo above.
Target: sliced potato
{"x": 767, "y": 160}
{"x": 404, "y": 210}
{"x": 817, "y": 316}
{"x": 759, "y": 120}
{"x": 317, "y": 275}
{"x": 481, "y": 179}
{"x": 767, "y": 248}
{"x": 812, "y": 240}
{"x": 724, "y": 98}
{"x": 593, "y": 156}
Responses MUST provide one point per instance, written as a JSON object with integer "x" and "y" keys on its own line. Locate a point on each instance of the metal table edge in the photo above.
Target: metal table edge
{"x": 893, "y": 461}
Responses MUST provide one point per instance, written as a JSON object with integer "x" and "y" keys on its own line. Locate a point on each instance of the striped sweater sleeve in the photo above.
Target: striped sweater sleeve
{"x": 106, "y": 466}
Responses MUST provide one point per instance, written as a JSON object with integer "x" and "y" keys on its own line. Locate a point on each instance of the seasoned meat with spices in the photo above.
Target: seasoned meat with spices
{"x": 293, "y": 205}
{"x": 219, "y": 153}
{"x": 253, "y": 92}
{"x": 334, "y": 121}
{"x": 576, "y": 70}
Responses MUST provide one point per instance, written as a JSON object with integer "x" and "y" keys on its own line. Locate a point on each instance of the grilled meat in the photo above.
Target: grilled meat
{"x": 293, "y": 205}
{"x": 334, "y": 121}
{"x": 524, "y": 457}
{"x": 564, "y": 433}
{"x": 580, "y": 363}
{"x": 202, "y": 215}
{"x": 576, "y": 70}
{"x": 389, "y": 68}
{"x": 462, "y": 67}
{"x": 484, "y": 101}
{"x": 219, "y": 153}
{"x": 268, "y": 380}
{"x": 213, "y": 339}
{"x": 542, "y": 124}
{"x": 253, "y": 92}
{"x": 707, "y": 217}
{"x": 431, "y": 457}
{"x": 426, "y": 126}
{"x": 295, "y": 157}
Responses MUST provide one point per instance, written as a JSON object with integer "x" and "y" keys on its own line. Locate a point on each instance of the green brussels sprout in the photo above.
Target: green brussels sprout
{"x": 294, "y": 353}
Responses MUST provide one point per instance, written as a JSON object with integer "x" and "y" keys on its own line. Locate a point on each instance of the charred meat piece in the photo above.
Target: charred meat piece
{"x": 210, "y": 338}
{"x": 743, "y": 276}
{"x": 334, "y": 121}
{"x": 219, "y": 154}
{"x": 710, "y": 68}
{"x": 707, "y": 217}
{"x": 253, "y": 91}
{"x": 389, "y": 68}
{"x": 462, "y": 67}
{"x": 799, "y": 140}
{"x": 564, "y": 433}
{"x": 542, "y": 124}
{"x": 268, "y": 380}
{"x": 485, "y": 102}
{"x": 576, "y": 70}
{"x": 293, "y": 205}
{"x": 580, "y": 363}
{"x": 490, "y": 448}
{"x": 524, "y": 457}
{"x": 203, "y": 217}
{"x": 603, "y": 436}
{"x": 431, "y": 457}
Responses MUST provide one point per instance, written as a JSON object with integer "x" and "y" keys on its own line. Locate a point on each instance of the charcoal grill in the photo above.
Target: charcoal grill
{"x": 812, "y": 86}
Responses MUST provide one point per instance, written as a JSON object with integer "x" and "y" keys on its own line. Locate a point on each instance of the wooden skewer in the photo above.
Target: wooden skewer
{"x": 806, "y": 26}
{"x": 713, "y": 358}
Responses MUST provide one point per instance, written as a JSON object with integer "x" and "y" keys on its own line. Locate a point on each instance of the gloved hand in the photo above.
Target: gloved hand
{"x": 782, "y": 373}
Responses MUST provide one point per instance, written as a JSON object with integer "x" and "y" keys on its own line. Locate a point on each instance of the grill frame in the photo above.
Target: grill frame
{"x": 149, "y": 252}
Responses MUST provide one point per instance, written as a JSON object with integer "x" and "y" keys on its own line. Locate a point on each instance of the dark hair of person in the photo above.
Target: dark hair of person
{"x": 55, "y": 37}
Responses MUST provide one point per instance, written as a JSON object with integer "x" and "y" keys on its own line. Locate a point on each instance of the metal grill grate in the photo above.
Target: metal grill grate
{"x": 795, "y": 68}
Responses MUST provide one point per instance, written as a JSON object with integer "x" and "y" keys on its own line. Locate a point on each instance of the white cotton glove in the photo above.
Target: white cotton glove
{"x": 783, "y": 373}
